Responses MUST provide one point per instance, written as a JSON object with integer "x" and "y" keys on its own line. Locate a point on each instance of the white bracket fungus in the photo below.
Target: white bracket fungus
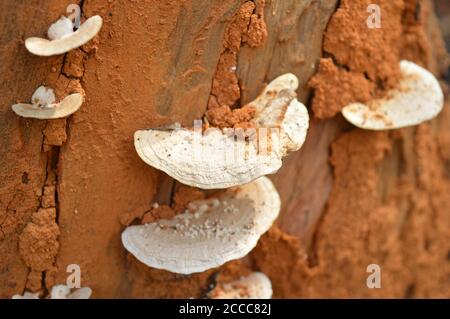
{"x": 60, "y": 292}
{"x": 44, "y": 107}
{"x": 63, "y": 292}
{"x": 418, "y": 98}
{"x": 255, "y": 286}
{"x": 217, "y": 159}
{"x": 210, "y": 233}
{"x": 63, "y": 38}
{"x": 26, "y": 295}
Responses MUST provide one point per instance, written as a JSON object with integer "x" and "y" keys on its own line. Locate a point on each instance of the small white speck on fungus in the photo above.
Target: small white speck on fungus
{"x": 211, "y": 238}
{"x": 417, "y": 99}
{"x": 43, "y": 107}
{"x": 63, "y": 38}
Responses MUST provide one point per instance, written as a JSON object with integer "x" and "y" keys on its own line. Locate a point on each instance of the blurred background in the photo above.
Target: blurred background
{"x": 443, "y": 12}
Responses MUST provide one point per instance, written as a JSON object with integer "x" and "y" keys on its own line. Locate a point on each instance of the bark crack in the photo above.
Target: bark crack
{"x": 49, "y": 197}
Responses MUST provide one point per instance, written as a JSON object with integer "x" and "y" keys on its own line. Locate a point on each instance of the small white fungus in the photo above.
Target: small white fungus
{"x": 60, "y": 29}
{"x": 43, "y": 97}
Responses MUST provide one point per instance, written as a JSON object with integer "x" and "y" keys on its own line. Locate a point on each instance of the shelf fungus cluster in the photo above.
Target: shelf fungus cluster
{"x": 60, "y": 292}
{"x": 62, "y": 38}
{"x": 226, "y": 226}
{"x": 217, "y": 159}
{"x": 210, "y": 232}
{"x": 417, "y": 99}
{"x": 255, "y": 286}
{"x": 43, "y": 105}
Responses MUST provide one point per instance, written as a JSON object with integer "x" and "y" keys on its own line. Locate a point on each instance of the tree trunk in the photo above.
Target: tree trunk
{"x": 350, "y": 197}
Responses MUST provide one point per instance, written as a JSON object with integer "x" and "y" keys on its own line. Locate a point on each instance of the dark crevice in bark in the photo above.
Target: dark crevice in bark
{"x": 211, "y": 283}
{"x": 81, "y": 7}
{"x": 227, "y": 50}
{"x": 410, "y": 291}
{"x": 39, "y": 207}
{"x": 50, "y": 167}
{"x": 51, "y": 164}
{"x": 43, "y": 285}
{"x": 172, "y": 192}
{"x": 312, "y": 257}
{"x": 331, "y": 56}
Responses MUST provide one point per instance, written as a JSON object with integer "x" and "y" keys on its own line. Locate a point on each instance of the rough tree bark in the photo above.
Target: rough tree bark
{"x": 74, "y": 183}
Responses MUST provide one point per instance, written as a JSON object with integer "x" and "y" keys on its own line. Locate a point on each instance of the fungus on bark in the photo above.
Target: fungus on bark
{"x": 209, "y": 233}
{"x": 43, "y": 105}
{"x": 217, "y": 159}
{"x": 417, "y": 99}
{"x": 62, "y": 38}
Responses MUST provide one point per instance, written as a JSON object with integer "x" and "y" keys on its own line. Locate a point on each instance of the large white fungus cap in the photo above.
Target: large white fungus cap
{"x": 62, "y": 38}
{"x": 44, "y": 108}
{"x": 255, "y": 286}
{"x": 418, "y": 98}
{"x": 60, "y": 292}
{"x": 211, "y": 233}
{"x": 217, "y": 159}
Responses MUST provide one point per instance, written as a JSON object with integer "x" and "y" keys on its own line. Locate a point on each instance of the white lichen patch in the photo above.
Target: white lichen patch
{"x": 255, "y": 286}
{"x": 209, "y": 233}
{"x": 417, "y": 99}
{"x": 63, "y": 38}
{"x": 43, "y": 105}
{"x": 215, "y": 159}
